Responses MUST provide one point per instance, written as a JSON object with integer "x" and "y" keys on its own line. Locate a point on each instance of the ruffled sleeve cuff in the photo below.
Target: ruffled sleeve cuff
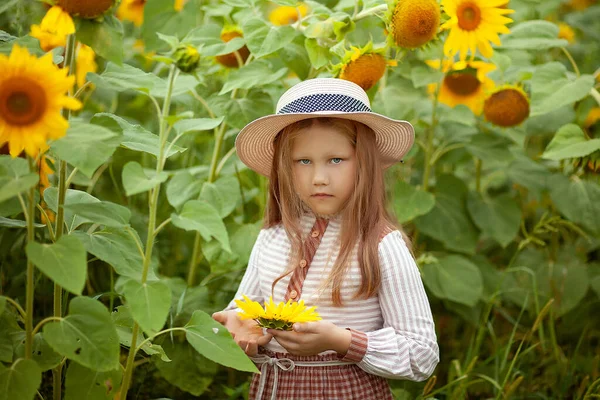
{"x": 358, "y": 346}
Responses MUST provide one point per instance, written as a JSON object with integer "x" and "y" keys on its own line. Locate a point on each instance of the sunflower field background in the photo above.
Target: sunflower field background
{"x": 126, "y": 218}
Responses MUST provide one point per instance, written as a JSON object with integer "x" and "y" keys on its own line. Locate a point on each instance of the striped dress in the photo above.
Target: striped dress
{"x": 392, "y": 334}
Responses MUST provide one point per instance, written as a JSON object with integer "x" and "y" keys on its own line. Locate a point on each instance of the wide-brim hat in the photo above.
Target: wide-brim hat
{"x": 321, "y": 97}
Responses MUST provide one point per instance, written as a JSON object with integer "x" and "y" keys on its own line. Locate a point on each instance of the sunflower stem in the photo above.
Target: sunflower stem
{"x": 152, "y": 209}
{"x": 478, "y": 174}
{"x": 572, "y": 61}
{"x": 30, "y": 288}
{"x": 371, "y": 11}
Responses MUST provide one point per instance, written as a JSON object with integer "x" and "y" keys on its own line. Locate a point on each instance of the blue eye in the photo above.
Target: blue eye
{"x": 302, "y": 161}
{"x": 336, "y": 160}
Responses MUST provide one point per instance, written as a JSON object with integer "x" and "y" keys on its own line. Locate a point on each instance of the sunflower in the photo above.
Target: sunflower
{"x": 33, "y": 91}
{"x": 566, "y": 32}
{"x": 507, "y": 106}
{"x": 286, "y": 15}
{"x": 464, "y": 83}
{"x": 132, "y": 10}
{"x": 89, "y": 9}
{"x": 474, "y": 24}
{"x": 86, "y": 62}
{"x": 592, "y": 117}
{"x": 230, "y": 60}
{"x": 413, "y": 23}
{"x": 281, "y": 316}
{"x": 179, "y": 5}
{"x": 54, "y": 29}
{"x": 365, "y": 66}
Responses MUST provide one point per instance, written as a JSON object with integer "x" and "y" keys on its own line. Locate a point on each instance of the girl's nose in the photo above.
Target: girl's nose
{"x": 320, "y": 176}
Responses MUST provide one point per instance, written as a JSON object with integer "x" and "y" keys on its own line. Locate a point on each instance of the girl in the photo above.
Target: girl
{"x": 327, "y": 239}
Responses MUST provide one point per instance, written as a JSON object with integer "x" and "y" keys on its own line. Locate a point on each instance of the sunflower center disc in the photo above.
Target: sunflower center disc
{"x": 469, "y": 16}
{"x": 462, "y": 84}
{"x": 22, "y": 103}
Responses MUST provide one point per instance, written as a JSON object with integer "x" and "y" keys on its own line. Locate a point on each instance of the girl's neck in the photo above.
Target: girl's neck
{"x": 309, "y": 211}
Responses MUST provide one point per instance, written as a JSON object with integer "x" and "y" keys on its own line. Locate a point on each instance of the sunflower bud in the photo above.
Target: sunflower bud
{"x": 229, "y": 59}
{"x": 88, "y": 9}
{"x": 413, "y": 23}
{"x": 186, "y": 58}
{"x": 507, "y": 106}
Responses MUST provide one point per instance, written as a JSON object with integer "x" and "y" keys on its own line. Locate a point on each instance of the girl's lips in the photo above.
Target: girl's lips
{"x": 322, "y": 195}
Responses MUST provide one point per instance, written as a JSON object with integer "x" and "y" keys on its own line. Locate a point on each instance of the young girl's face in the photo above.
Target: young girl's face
{"x": 324, "y": 167}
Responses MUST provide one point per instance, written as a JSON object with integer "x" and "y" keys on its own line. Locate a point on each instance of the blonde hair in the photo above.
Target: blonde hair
{"x": 364, "y": 217}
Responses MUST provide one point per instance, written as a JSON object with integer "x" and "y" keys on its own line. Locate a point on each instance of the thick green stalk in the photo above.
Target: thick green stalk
{"x": 478, "y": 174}
{"x": 152, "y": 208}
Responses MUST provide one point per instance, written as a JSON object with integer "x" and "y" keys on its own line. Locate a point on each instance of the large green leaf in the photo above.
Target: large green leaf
{"x": 189, "y": 370}
{"x": 103, "y": 213}
{"x": 88, "y": 384}
{"x": 2, "y": 304}
{"x": 160, "y": 16}
{"x": 241, "y": 111}
{"x": 213, "y": 341}
{"x": 86, "y": 146}
{"x": 422, "y": 75}
{"x": 149, "y": 303}
{"x": 196, "y": 124}
{"x": 209, "y": 37}
{"x": 124, "y": 324}
{"x": 10, "y": 335}
{"x": 182, "y": 187}
{"x": 200, "y": 216}
{"x": 528, "y": 173}
{"x": 15, "y": 177}
{"x": 20, "y": 381}
{"x": 578, "y": 200}
{"x": 454, "y": 278}
{"x": 86, "y": 335}
{"x": 449, "y": 221}
{"x": 118, "y": 248}
{"x": 223, "y": 195}
{"x": 498, "y": 217}
{"x": 72, "y": 220}
{"x": 124, "y": 77}
{"x": 104, "y": 35}
{"x": 490, "y": 148}
{"x": 570, "y": 142}
{"x": 318, "y": 55}
{"x": 45, "y": 357}
{"x": 410, "y": 202}
{"x": 255, "y": 74}
{"x": 263, "y": 39}
{"x": 242, "y": 241}
{"x": 65, "y": 262}
{"x": 135, "y": 179}
{"x": 16, "y": 223}
{"x": 533, "y": 35}
{"x": 295, "y": 56}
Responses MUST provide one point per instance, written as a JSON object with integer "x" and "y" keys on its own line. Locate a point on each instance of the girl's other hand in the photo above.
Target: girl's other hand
{"x": 246, "y": 333}
{"x": 311, "y": 338}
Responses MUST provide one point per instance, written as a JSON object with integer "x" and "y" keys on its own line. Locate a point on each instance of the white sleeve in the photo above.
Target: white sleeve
{"x": 250, "y": 284}
{"x": 406, "y": 347}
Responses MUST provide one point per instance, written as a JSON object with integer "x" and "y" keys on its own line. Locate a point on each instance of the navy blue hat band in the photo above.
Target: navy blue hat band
{"x": 324, "y": 102}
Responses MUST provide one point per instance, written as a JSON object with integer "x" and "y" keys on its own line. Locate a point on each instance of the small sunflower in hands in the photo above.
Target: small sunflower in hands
{"x": 281, "y": 316}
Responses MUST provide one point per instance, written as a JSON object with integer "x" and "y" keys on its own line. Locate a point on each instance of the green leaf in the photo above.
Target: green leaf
{"x": 422, "y": 75}
{"x": 135, "y": 137}
{"x": 104, "y": 36}
{"x": 182, "y": 187}
{"x": 223, "y": 195}
{"x": 16, "y": 223}
{"x": 578, "y": 200}
{"x": 85, "y": 383}
{"x": 117, "y": 248}
{"x": 200, "y": 216}
{"x": 318, "y": 55}
{"x": 41, "y": 352}
{"x": 527, "y": 173}
{"x": 86, "y": 146}
{"x": 149, "y": 304}
{"x": 2, "y": 304}
{"x": 10, "y": 334}
{"x": 20, "y": 381}
{"x": 124, "y": 323}
{"x": 10, "y": 187}
{"x": 263, "y": 39}
{"x": 410, "y": 202}
{"x": 570, "y": 142}
{"x": 533, "y": 35}
{"x": 550, "y": 95}
{"x": 86, "y": 335}
{"x": 566, "y": 280}
{"x": 255, "y": 74}
{"x": 241, "y": 111}
{"x": 490, "y": 147}
{"x": 242, "y": 241}
{"x": 296, "y": 58}
{"x": 189, "y": 370}
{"x": 498, "y": 218}
{"x": 65, "y": 262}
{"x": 124, "y": 77}
{"x": 449, "y": 222}
{"x": 454, "y": 278}
{"x": 595, "y": 285}
{"x": 198, "y": 124}
{"x": 160, "y": 16}
{"x": 103, "y": 213}
{"x": 214, "y": 342}
{"x": 136, "y": 181}
{"x": 72, "y": 220}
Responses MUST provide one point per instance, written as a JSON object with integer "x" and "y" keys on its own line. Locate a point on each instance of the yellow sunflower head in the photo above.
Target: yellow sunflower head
{"x": 286, "y": 15}
{"x": 464, "y": 83}
{"x": 592, "y": 117}
{"x": 412, "y": 23}
{"x": 507, "y": 106}
{"x": 566, "y": 32}
{"x": 363, "y": 66}
{"x": 33, "y": 92}
{"x": 277, "y": 316}
{"x": 179, "y": 5}
{"x": 473, "y": 24}
{"x": 86, "y": 62}
{"x": 89, "y": 9}
{"x": 54, "y": 29}
{"x": 230, "y": 60}
{"x": 132, "y": 10}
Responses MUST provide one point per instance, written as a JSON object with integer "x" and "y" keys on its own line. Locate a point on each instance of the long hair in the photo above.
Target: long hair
{"x": 364, "y": 217}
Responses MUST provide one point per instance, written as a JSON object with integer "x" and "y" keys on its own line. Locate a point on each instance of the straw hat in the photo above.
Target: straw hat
{"x": 321, "y": 97}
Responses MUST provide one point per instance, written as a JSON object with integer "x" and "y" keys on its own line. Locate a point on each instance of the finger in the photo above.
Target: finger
{"x": 219, "y": 317}
{"x": 252, "y": 348}
{"x": 264, "y": 339}
{"x": 243, "y": 344}
{"x": 306, "y": 327}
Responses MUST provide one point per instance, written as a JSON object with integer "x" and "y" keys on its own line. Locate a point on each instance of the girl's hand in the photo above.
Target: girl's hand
{"x": 246, "y": 333}
{"x": 311, "y": 338}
